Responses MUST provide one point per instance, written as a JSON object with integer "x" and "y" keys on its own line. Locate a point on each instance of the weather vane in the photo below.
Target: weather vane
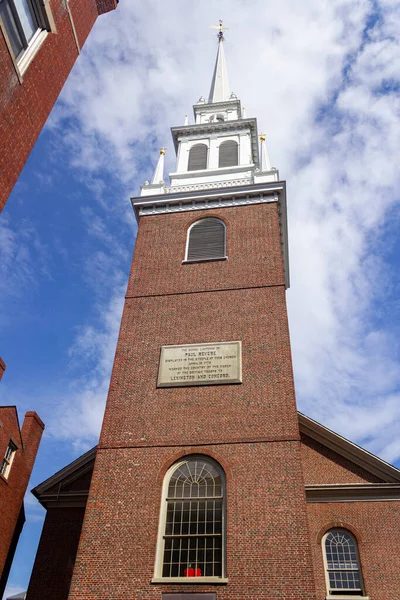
{"x": 220, "y": 30}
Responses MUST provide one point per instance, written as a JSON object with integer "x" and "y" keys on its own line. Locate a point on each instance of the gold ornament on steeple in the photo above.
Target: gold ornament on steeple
{"x": 262, "y": 137}
{"x": 162, "y": 151}
{"x": 221, "y": 30}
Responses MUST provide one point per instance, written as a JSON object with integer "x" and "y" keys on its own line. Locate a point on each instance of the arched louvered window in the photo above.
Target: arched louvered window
{"x": 206, "y": 240}
{"x": 228, "y": 154}
{"x": 191, "y": 542}
{"x": 198, "y": 157}
{"x": 342, "y": 564}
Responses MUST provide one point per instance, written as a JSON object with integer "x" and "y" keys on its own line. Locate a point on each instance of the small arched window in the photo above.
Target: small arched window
{"x": 192, "y": 527}
{"x": 198, "y": 157}
{"x": 206, "y": 240}
{"x": 228, "y": 154}
{"x": 342, "y": 564}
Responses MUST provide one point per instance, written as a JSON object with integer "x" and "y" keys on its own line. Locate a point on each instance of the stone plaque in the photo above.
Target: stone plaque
{"x": 200, "y": 364}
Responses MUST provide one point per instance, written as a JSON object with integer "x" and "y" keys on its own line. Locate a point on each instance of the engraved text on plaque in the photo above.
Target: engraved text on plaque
{"x": 200, "y": 364}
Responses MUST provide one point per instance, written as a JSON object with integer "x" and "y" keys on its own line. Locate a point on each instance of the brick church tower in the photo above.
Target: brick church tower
{"x": 197, "y": 486}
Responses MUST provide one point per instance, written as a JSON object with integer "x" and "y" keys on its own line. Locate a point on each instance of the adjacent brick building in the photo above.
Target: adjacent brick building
{"x": 18, "y": 448}
{"x": 39, "y": 43}
{"x": 207, "y": 483}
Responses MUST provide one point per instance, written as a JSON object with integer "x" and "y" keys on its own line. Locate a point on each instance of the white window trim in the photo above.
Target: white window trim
{"x": 32, "y": 49}
{"x": 14, "y": 449}
{"x": 335, "y": 597}
{"x": 46, "y": 24}
{"x": 158, "y": 566}
{"x": 330, "y": 596}
{"x": 186, "y": 260}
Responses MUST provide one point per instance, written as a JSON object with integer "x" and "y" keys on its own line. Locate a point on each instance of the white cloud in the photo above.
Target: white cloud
{"x": 80, "y": 409}
{"x": 320, "y": 78}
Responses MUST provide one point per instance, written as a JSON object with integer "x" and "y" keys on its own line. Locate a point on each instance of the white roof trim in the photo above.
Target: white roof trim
{"x": 388, "y": 473}
{"x": 69, "y": 473}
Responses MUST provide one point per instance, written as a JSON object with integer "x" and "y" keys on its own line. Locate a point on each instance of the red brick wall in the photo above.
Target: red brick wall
{"x": 12, "y": 489}
{"x": 252, "y": 246}
{"x": 106, "y": 5}
{"x": 162, "y": 308}
{"x": 376, "y": 526}
{"x": 322, "y": 465}
{"x": 268, "y": 555}
{"x": 51, "y": 576}
{"x": 250, "y": 428}
{"x": 24, "y": 107}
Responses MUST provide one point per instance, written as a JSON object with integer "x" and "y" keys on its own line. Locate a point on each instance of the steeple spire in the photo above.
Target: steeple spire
{"x": 265, "y": 162}
{"x": 158, "y": 176}
{"x": 220, "y": 91}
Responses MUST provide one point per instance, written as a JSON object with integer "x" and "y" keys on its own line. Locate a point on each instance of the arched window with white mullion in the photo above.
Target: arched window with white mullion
{"x": 342, "y": 564}
{"x": 192, "y": 520}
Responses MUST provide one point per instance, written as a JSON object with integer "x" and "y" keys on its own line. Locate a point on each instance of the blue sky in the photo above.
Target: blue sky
{"x": 323, "y": 80}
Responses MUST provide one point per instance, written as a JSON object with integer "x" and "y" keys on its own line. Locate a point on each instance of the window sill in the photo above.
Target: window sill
{"x": 198, "y": 580}
{"x": 31, "y": 51}
{"x": 346, "y": 597}
{"x": 202, "y": 260}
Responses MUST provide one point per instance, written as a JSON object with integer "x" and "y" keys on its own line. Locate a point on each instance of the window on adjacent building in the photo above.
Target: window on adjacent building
{"x": 192, "y": 520}
{"x": 206, "y": 240}
{"x": 198, "y": 157}
{"x": 342, "y": 564}
{"x": 21, "y": 20}
{"x": 8, "y": 458}
{"x": 228, "y": 154}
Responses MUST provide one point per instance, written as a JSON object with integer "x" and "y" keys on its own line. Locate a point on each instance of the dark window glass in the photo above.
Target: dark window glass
{"x": 10, "y": 24}
{"x": 20, "y": 21}
{"x": 342, "y": 563}
{"x": 194, "y": 528}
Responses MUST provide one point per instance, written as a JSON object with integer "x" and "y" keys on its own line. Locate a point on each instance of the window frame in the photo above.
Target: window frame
{"x": 42, "y": 16}
{"x": 342, "y": 593}
{"x": 159, "y": 560}
{"x": 8, "y": 459}
{"x": 200, "y": 260}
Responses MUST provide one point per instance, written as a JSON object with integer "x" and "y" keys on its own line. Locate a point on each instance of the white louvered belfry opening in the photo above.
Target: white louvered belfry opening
{"x": 206, "y": 240}
{"x": 228, "y": 154}
{"x": 198, "y": 157}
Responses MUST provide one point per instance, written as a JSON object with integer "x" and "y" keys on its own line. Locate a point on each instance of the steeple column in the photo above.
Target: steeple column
{"x": 244, "y": 149}
{"x": 182, "y": 156}
{"x": 213, "y": 153}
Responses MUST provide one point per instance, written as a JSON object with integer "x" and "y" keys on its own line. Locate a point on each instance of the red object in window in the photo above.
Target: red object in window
{"x": 191, "y": 572}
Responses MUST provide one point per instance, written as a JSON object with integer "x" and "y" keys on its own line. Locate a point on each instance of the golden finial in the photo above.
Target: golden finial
{"x": 221, "y": 30}
{"x": 262, "y": 137}
{"x": 162, "y": 151}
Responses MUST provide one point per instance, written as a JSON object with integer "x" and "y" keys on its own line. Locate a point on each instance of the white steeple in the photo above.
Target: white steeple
{"x": 265, "y": 162}
{"x": 220, "y": 91}
{"x": 157, "y": 185}
{"x": 220, "y": 149}
{"x": 158, "y": 176}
